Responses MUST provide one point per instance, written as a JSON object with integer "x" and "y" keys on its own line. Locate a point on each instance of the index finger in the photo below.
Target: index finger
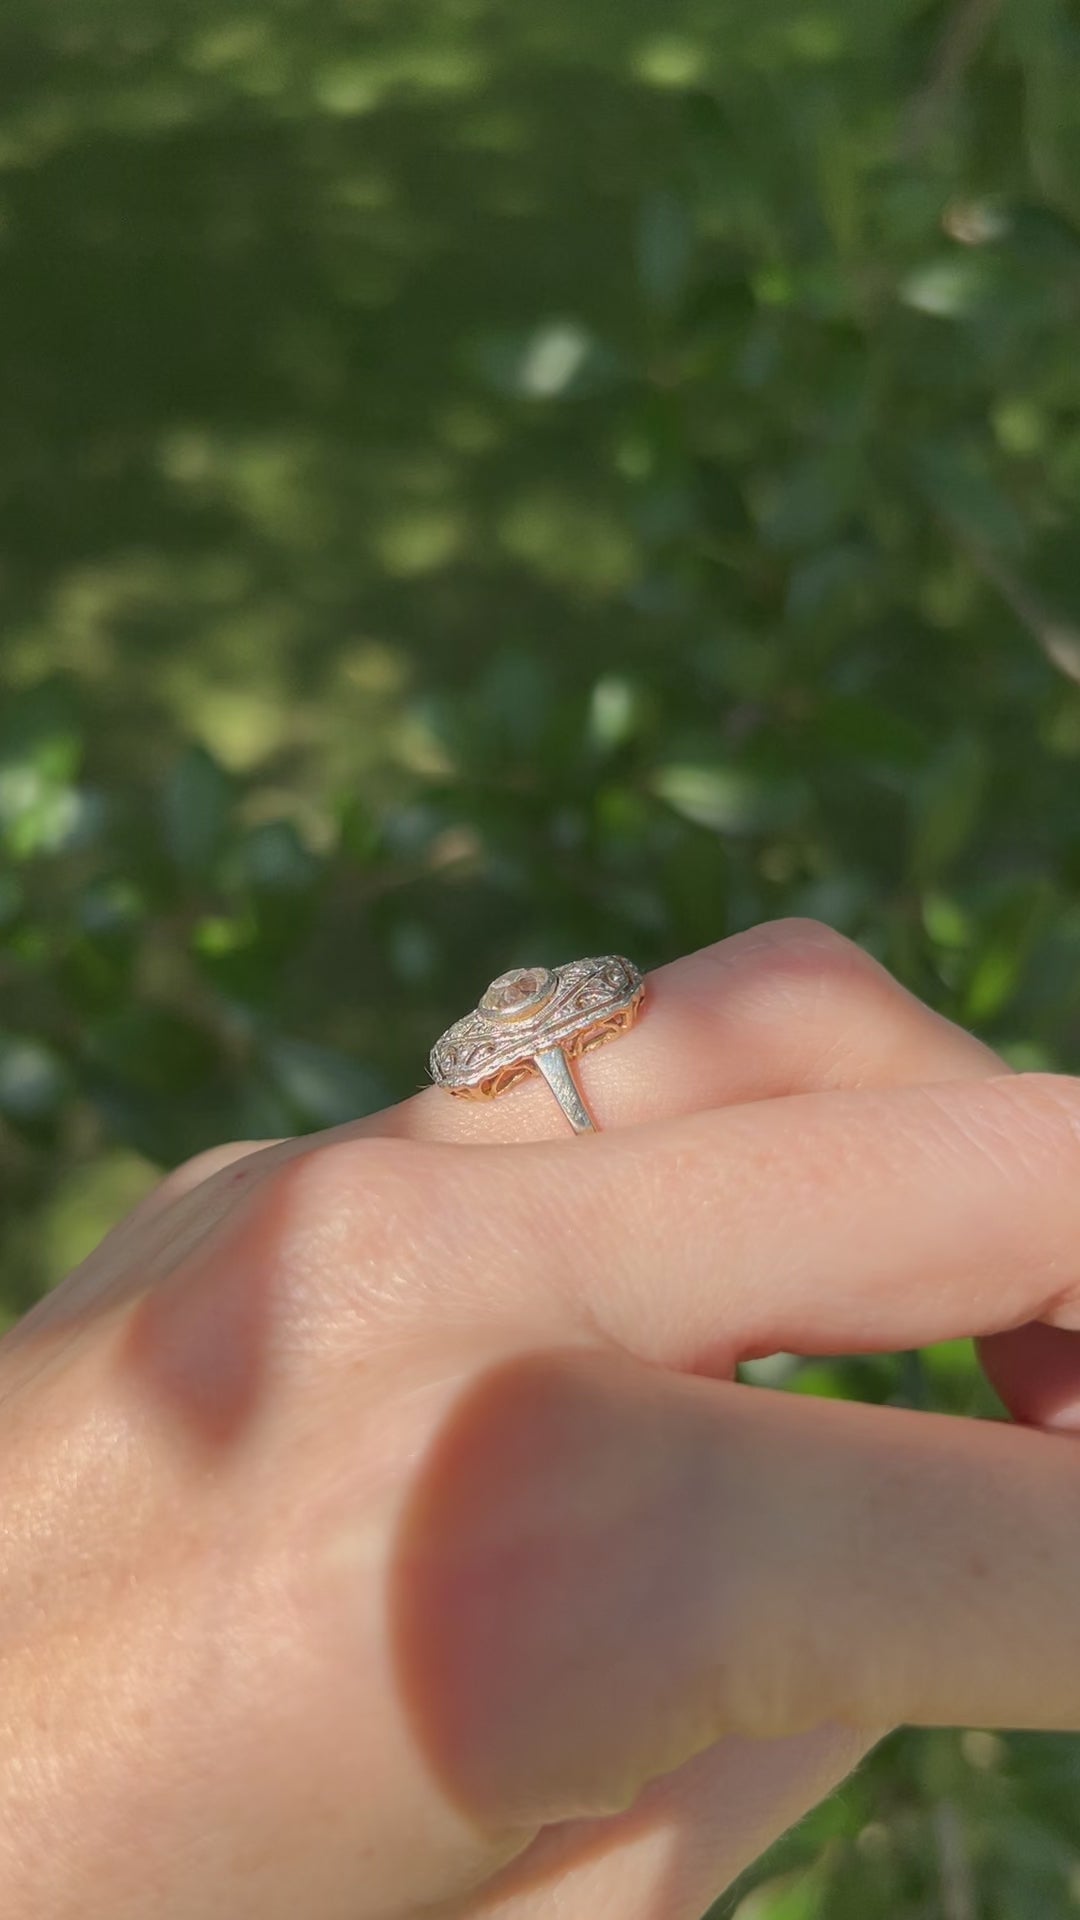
{"x": 817, "y": 1223}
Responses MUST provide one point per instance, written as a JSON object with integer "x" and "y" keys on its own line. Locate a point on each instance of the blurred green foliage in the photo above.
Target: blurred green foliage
{"x": 482, "y": 484}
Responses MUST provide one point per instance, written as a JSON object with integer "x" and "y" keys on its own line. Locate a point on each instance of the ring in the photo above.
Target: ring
{"x": 536, "y": 1020}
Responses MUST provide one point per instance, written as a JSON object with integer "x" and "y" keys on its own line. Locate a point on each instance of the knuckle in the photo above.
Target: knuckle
{"x": 814, "y": 944}
{"x": 805, "y": 964}
{"x": 352, "y": 1184}
{"x": 386, "y": 1229}
{"x": 363, "y": 1228}
{"x": 802, "y": 930}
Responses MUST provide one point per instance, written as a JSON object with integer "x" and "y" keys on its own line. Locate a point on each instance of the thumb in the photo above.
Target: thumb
{"x": 605, "y": 1567}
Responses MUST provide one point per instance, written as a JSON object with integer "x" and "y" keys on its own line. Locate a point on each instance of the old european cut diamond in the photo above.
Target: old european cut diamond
{"x": 518, "y": 992}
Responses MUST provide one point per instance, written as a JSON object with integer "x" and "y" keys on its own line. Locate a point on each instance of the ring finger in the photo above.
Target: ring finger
{"x": 788, "y": 1007}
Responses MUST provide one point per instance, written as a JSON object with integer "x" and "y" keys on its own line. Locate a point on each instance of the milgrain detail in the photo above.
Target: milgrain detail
{"x": 589, "y": 1002}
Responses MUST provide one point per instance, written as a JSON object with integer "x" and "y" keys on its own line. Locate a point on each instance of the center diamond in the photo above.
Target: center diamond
{"x": 519, "y": 992}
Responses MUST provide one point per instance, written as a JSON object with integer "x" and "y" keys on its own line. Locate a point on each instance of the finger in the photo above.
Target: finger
{"x": 816, "y": 1223}
{"x": 821, "y": 1223}
{"x": 687, "y": 1836}
{"x": 784, "y": 1007}
{"x": 1036, "y": 1372}
{"x": 606, "y": 1567}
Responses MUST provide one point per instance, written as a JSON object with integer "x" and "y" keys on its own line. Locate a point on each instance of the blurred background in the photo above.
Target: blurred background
{"x": 487, "y": 483}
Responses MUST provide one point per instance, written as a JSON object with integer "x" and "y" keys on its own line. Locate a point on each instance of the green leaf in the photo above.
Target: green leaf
{"x": 40, "y": 728}
{"x": 273, "y": 858}
{"x": 324, "y": 1088}
{"x": 946, "y": 804}
{"x": 110, "y": 911}
{"x": 799, "y": 1896}
{"x": 358, "y": 830}
{"x": 196, "y": 804}
{"x": 87, "y": 1202}
{"x": 665, "y": 250}
{"x": 34, "y": 1081}
{"x": 993, "y": 982}
{"x": 810, "y": 501}
{"x": 954, "y": 286}
{"x": 730, "y": 799}
{"x": 151, "y": 1049}
{"x": 12, "y": 896}
{"x": 1009, "y": 933}
{"x": 946, "y": 922}
{"x": 560, "y": 359}
{"x": 828, "y": 580}
{"x": 959, "y": 483}
{"x": 619, "y": 710}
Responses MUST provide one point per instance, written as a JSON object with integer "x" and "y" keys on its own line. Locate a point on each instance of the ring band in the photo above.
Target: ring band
{"x": 537, "y": 1020}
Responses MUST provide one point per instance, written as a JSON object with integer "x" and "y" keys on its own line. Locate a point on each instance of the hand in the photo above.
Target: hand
{"x": 382, "y": 1529}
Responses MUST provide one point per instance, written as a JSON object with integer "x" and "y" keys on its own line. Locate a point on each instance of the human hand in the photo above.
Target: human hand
{"x": 383, "y": 1530}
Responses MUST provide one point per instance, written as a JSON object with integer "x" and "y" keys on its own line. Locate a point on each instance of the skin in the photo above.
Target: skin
{"x": 384, "y": 1533}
